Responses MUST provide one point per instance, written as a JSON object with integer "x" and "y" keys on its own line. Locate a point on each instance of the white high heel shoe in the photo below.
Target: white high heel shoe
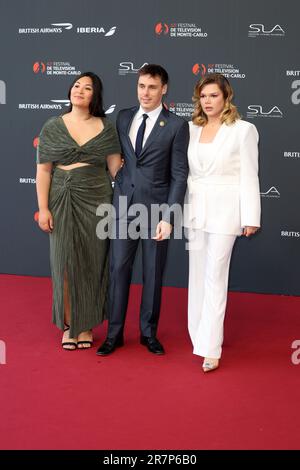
{"x": 210, "y": 364}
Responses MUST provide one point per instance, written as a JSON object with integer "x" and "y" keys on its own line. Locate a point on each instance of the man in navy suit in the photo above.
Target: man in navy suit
{"x": 154, "y": 146}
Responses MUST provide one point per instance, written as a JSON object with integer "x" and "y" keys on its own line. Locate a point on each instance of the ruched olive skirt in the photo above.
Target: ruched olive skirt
{"x": 76, "y": 253}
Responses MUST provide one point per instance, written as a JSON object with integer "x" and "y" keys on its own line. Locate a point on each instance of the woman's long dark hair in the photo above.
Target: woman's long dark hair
{"x": 96, "y": 105}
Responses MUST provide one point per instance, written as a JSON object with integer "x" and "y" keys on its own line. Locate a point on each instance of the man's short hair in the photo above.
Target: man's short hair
{"x": 155, "y": 71}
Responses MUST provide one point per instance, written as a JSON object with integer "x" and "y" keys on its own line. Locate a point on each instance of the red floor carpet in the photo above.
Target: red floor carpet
{"x": 55, "y": 399}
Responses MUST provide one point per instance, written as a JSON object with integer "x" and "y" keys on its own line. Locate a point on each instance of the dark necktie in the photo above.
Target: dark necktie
{"x": 140, "y": 136}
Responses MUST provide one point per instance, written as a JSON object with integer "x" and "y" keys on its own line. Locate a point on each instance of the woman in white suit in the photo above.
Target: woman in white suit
{"x": 222, "y": 202}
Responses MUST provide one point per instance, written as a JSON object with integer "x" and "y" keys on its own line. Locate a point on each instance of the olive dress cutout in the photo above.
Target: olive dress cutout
{"x": 75, "y": 249}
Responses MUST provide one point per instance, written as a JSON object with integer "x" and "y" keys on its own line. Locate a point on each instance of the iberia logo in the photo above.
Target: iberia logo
{"x": 199, "y": 69}
{"x": 161, "y": 28}
{"x": 39, "y": 67}
{"x": 35, "y": 142}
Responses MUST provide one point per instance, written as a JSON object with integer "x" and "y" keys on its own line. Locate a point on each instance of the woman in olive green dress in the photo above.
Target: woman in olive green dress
{"x": 74, "y": 152}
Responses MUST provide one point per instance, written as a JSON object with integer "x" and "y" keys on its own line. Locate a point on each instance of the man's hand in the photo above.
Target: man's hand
{"x": 163, "y": 231}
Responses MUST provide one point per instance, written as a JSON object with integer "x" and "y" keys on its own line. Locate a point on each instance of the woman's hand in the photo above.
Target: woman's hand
{"x": 121, "y": 166}
{"x": 248, "y": 231}
{"x": 114, "y": 163}
{"x": 45, "y": 220}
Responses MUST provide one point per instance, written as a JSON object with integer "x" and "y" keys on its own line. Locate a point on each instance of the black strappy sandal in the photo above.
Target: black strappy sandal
{"x": 68, "y": 343}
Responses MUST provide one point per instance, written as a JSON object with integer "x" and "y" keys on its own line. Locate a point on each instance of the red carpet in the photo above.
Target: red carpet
{"x": 55, "y": 399}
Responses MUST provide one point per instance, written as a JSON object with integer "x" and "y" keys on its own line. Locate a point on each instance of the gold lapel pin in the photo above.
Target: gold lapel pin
{"x": 162, "y": 123}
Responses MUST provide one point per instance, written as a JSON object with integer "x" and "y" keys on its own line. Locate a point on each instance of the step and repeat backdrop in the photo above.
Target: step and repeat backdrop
{"x": 46, "y": 44}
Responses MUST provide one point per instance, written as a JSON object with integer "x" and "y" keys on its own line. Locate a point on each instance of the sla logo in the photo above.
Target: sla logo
{"x": 2, "y": 92}
{"x": 199, "y": 69}
{"x": 272, "y": 192}
{"x": 295, "y": 97}
{"x": 256, "y": 110}
{"x": 128, "y": 67}
{"x": 258, "y": 29}
{"x": 39, "y": 67}
{"x": 161, "y": 28}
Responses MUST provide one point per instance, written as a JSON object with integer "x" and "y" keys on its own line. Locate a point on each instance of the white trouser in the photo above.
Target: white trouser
{"x": 209, "y": 260}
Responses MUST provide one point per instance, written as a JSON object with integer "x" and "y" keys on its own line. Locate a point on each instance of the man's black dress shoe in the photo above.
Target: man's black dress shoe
{"x": 109, "y": 345}
{"x": 152, "y": 344}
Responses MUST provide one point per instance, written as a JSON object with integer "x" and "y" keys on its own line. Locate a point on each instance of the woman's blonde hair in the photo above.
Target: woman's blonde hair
{"x": 229, "y": 114}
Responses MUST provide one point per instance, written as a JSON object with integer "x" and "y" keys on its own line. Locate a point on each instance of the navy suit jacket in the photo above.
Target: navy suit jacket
{"x": 160, "y": 173}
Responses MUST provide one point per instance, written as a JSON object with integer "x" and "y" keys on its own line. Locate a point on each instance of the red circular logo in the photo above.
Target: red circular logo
{"x": 161, "y": 28}
{"x": 199, "y": 68}
{"x": 39, "y": 67}
{"x": 196, "y": 69}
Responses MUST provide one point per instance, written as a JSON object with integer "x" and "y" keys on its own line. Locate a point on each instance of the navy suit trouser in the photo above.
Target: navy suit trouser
{"x": 122, "y": 256}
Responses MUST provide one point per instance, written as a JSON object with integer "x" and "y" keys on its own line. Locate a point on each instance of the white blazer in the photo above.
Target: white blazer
{"x": 226, "y": 197}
